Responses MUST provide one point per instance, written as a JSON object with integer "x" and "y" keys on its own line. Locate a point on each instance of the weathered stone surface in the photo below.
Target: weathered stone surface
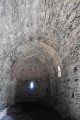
{"x": 47, "y": 30}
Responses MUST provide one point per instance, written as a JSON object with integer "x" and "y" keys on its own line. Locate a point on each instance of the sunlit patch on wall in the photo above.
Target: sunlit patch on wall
{"x": 59, "y": 71}
{"x": 3, "y": 113}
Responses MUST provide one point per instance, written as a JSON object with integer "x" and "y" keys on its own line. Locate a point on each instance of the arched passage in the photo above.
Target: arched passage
{"x": 36, "y": 64}
{"x": 46, "y": 32}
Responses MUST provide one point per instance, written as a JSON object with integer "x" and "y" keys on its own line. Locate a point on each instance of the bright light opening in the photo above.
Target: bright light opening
{"x": 31, "y": 85}
{"x": 59, "y": 71}
{"x": 3, "y": 113}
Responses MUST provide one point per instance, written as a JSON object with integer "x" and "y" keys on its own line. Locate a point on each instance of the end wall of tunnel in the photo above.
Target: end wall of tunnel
{"x": 37, "y": 66}
{"x": 47, "y": 31}
{"x": 36, "y": 72}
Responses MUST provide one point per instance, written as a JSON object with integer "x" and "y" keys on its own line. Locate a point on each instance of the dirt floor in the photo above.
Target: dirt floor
{"x": 31, "y": 111}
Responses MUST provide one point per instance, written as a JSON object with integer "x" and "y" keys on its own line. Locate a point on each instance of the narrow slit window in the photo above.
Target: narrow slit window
{"x": 59, "y": 71}
{"x": 31, "y": 85}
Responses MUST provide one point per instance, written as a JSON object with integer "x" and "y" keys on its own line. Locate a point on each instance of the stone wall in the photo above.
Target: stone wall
{"x": 50, "y": 31}
{"x": 37, "y": 73}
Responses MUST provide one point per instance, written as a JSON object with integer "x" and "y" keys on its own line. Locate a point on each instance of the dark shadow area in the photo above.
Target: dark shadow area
{"x": 32, "y": 111}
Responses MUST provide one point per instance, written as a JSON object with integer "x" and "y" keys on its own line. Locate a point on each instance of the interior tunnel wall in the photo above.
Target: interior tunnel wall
{"x": 66, "y": 27}
{"x": 36, "y": 72}
{"x": 56, "y": 23}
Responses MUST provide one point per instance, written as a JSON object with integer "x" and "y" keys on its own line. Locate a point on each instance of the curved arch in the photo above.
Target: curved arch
{"x": 27, "y": 52}
{"x": 26, "y": 60}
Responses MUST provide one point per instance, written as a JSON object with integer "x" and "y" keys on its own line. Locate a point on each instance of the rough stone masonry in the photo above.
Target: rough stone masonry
{"x": 37, "y": 36}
